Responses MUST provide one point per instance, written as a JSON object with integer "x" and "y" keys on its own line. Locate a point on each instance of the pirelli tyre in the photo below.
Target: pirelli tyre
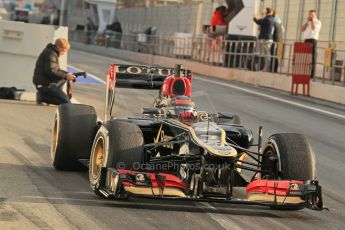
{"x": 73, "y": 131}
{"x": 118, "y": 145}
{"x": 289, "y": 156}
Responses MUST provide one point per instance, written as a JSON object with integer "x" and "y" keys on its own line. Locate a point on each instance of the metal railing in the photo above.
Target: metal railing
{"x": 217, "y": 51}
{"x": 334, "y": 71}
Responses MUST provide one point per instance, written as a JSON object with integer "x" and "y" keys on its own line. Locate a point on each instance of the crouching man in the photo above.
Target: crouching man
{"x": 48, "y": 77}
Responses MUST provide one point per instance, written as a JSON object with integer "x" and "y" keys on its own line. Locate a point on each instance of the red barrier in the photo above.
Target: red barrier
{"x": 301, "y": 66}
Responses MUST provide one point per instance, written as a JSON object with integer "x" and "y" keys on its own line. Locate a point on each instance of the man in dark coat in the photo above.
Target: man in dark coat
{"x": 48, "y": 77}
{"x": 265, "y": 38}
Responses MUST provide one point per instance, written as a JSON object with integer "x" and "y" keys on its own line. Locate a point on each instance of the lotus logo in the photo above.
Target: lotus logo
{"x": 241, "y": 27}
{"x": 203, "y": 116}
{"x": 140, "y": 178}
{"x": 162, "y": 137}
{"x": 294, "y": 187}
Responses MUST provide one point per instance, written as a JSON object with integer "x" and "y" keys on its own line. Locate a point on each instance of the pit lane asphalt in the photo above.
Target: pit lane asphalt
{"x": 35, "y": 196}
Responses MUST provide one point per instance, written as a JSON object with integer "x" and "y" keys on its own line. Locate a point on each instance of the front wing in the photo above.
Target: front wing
{"x": 274, "y": 193}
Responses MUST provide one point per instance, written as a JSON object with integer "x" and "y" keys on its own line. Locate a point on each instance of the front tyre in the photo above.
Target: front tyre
{"x": 118, "y": 145}
{"x": 288, "y": 156}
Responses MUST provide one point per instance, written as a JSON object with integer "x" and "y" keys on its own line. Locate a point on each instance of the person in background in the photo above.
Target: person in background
{"x": 217, "y": 39}
{"x": 218, "y": 16}
{"x": 311, "y": 30}
{"x": 278, "y": 36}
{"x": 265, "y": 38}
{"x": 48, "y": 77}
{"x": 115, "y": 26}
{"x": 116, "y": 33}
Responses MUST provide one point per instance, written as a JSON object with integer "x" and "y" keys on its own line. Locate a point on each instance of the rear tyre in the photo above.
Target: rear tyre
{"x": 118, "y": 145}
{"x": 73, "y": 132}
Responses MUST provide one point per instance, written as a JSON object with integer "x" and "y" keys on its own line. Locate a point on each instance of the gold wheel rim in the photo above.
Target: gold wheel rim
{"x": 54, "y": 137}
{"x": 98, "y": 158}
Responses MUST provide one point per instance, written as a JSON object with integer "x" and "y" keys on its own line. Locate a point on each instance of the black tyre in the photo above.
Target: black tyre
{"x": 72, "y": 136}
{"x": 117, "y": 144}
{"x": 295, "y": 160}
{"x": 294, "y": 156}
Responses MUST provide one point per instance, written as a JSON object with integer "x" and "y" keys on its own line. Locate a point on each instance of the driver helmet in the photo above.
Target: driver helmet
{"x": 181, "y": 105}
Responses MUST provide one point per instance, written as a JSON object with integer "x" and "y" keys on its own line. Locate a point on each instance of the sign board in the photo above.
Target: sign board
{"x": 327, "y": 61}
{"x": 280, "y": 51}
{"x": 301, "y": 66}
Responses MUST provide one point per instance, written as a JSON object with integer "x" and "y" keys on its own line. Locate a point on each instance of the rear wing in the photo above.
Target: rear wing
{"x": 142, "y": 76}
{"x": 137, "y": 76}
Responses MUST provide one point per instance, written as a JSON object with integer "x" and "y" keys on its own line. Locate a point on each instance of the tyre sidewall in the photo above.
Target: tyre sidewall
{"x": 75, "y": 126}
{"x": 117, "y": 156}
{"x": 114, "y": 156}
{"x": 296, "y": 159}
{"x": 102, "y": 133}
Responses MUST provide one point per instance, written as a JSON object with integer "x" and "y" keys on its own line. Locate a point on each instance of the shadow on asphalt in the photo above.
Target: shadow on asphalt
{"x": 72, "y": 188}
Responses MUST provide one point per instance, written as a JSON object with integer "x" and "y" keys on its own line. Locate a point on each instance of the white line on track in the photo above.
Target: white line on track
{"x": 89, "y": 74}
{"x": 221, "y": 219}
{"x": 274, "y": 98}
{"x": 65, "y": 199}
{"x": 207, "y": 205}
{"x": 75, "y": 101}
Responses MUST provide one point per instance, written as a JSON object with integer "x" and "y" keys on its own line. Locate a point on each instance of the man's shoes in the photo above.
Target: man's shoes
{"x": 39, "y": 99}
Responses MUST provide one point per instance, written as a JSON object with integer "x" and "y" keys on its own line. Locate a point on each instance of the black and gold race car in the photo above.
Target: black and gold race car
{"x": 173, "y": 151}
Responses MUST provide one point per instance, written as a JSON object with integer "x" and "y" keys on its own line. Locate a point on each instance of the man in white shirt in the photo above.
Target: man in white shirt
{"x": 311, "y": 31}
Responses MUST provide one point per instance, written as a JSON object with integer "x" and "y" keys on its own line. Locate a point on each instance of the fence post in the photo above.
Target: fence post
{"x": 333, "y": 63}
{"x": 289, "y": 62}
{"x": 344, "y": 72}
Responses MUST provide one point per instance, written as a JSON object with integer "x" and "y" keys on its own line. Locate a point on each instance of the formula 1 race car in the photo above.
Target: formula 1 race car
{"x": 173, "y": 151}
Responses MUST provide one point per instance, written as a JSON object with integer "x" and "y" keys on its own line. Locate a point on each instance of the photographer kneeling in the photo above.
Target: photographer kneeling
{"x": 48, "y": 77}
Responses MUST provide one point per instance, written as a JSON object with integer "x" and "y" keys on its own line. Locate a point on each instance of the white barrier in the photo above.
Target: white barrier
{"x": 20, "y": 45}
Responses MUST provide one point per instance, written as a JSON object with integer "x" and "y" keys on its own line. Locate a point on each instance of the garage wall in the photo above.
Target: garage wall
{"x": 167, "y": 19}
{"x": 20, "y": 45}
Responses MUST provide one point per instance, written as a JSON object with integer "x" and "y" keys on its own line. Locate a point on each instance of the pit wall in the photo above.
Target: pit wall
{"x": 277, "y": 81}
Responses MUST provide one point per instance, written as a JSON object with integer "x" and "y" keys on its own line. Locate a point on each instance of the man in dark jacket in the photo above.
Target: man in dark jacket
{"x": 48, "y": 77}
{"x": 265, "y": 38}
